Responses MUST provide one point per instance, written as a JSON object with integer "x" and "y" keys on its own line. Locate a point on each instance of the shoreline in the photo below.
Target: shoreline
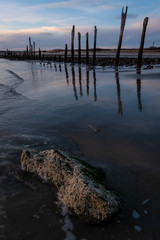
{"x": 104, "y": 57}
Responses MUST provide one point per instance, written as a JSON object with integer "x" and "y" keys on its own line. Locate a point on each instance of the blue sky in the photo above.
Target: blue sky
{"x": 49, "y": 22}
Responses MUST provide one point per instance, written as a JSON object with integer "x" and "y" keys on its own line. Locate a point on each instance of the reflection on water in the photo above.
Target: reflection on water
{"x": 87, "y": 81}
{"x": 74, "y": 83}
{"x": 117, "y": 78}
{"x": 44, "y": 106}
{"x": 139, "y": 90}
{"x": 55, "y": 67}
{"x": 120, "y": 111}
{"x": 94, "y": 81}
{"x": 80, "y": 81}
{"x": 67, "y": 76}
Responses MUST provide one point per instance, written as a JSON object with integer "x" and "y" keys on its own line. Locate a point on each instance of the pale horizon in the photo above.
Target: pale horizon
{"x": 49, "y": 24}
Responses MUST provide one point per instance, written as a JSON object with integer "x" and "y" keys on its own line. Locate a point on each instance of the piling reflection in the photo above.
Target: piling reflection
{"x": 82, "y": 76}
{"x": 95, "y": 89}
{"x": 60, "y": 68}
{"x": 66, "y": 72}
{"x": 80, "y": 81}
{"x": 87, "y": 81}
{"x": 120, "y": 110}
{"x": 55, "y": 67}
{"x": 139, "y": 90}
{"x": 74, "y": 83}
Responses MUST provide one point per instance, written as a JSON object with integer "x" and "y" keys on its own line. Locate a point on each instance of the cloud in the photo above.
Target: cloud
{"x": 84, "y": 5}
{"x": 49, "y": 24}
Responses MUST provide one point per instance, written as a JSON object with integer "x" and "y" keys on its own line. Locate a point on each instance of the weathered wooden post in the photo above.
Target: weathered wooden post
{"x": 30, "y": 47}
{"x": 39, "y": 54}
{"x": 140, "y": 53}
{"x": 87, "y": 49}
{"x": 94, "y": 48}
{"x": 72, "y": 44}
{"x": 34, "y": 50}
{"x": 79, "y": 48}
{"x": 27, "y": 51}
{"x": 123, "y": 21}
{"x": 65, "y": 54}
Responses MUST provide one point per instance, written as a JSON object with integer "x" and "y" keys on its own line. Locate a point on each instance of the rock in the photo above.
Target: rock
{"x": 78, "y": 183}
{"x": 148, "y": 67}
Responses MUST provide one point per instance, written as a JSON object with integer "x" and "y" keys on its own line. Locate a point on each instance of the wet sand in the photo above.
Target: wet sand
{"x": 43, "y": 107}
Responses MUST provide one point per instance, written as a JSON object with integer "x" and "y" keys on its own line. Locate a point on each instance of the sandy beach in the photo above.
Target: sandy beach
{"x": 44, "y": 107}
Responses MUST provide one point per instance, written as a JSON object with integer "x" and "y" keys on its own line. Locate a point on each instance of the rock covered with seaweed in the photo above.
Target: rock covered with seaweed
{"x": 78, "y": 184}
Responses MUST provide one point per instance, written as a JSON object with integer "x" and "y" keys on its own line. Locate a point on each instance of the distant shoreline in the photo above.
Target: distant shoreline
{"x": 104, "y": 57}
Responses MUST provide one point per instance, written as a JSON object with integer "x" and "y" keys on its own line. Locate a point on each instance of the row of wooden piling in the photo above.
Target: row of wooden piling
{"x": 123, "y": 21}
{"x": 30, "y": 52}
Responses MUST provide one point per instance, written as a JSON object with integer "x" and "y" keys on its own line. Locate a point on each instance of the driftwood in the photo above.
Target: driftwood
{"x": 140, "y": 53}
{"x": 93, "y": 128}
{"x": 123, "y": 21}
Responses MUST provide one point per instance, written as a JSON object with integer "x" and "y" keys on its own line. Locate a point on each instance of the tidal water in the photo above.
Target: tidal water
{"x": 43, "y": 107}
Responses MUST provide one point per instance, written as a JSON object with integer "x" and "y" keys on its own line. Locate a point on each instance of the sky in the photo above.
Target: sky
{"x": 49, "y": 22}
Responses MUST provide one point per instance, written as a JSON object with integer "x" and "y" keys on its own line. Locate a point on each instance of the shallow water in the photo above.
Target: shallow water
{"x": 43, "y": 107}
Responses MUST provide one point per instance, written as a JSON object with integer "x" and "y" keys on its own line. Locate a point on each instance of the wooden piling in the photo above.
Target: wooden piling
{"x": 123, "y": 21}
{"x": 27, "y": 51}
{"x": 39, "y": 54}
{"x": 94, "y": 48}
{"x": 79, "y": 48}
{"x": 30, "y": 47}
{"x": 87, "y": 49}
{"x": 65, "y": 54}
{"x": 140, "y": 53}
{"x": 72, "y": 44}
{"x": 34, "y": 50}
